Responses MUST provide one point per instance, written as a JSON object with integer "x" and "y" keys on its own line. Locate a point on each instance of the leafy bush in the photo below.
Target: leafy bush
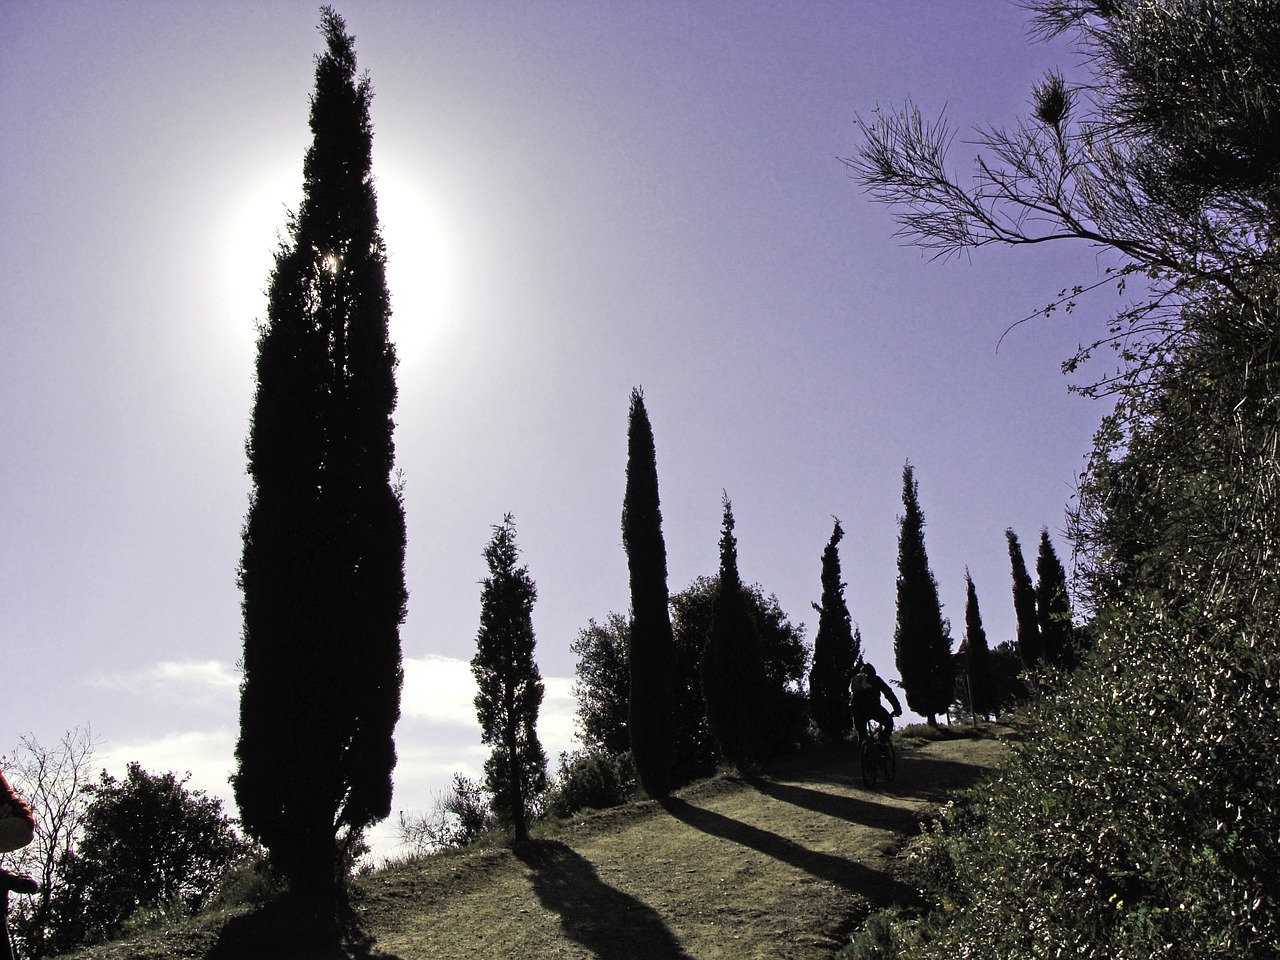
{"x": 591, "y": 781}
{"x": 1143, "y": 818}
{"x": 149, "y": 845}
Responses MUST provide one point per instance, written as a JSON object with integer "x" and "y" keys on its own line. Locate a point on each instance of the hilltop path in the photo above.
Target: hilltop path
{"x": 778, "y": 866}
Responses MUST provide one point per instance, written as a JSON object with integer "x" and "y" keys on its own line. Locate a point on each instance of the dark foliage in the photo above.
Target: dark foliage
{"x": 602, "y": 677}
{"x": 322, "y": 571}
{"x": 834, "y": 652}
{"x": 652, "y": 699}
{"x": 733, "y": 672}
{"x": 921, "y": 638}
{"x": 591, "y": 781}
{"x": 1053, "y": 607}
{"x": 783, "y": 709}
{"x": 603, "y": 684}
{"x": 510, "y": 684}
{"x": 148, "y": 844}
{"x": 1030, "y": 644}
{"x": 975, "y": 658}
{"x": 1008, "y": 678}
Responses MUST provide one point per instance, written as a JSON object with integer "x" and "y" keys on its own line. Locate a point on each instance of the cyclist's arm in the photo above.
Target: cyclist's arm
{"x": 893, "y": 698}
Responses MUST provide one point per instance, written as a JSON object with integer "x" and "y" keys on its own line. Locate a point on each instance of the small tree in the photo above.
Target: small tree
{"x": 456, "y": 818}
{"x": 975, "y": 655}
{"x": 921, "y": 639}
{"x": 834, "y": 651}
{"x": 148, "y": 843}
{"x": 509, "y": 682}
{"x": 1053, "y": 607}
{"x": 652, "y": 700}
{"x": 1030, "y": 644}
{"x": 733, "y": 676}
{"x": 603, "y": 684}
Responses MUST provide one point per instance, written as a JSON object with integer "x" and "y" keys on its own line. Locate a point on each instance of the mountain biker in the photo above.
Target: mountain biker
{"x": 866, "y": 689}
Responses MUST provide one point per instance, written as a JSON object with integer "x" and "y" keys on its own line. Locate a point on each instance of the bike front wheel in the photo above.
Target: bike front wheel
{"x": 870, "y": 765}
{"x": 889, "y": 762}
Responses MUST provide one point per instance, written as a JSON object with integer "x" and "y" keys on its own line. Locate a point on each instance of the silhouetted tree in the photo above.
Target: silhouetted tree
{"x": 322, "y": 571}
{"x": 652, "y": 700}
{"x": 921, "y": 639}
{"x": 1053, "y": 606}
{"x": 976, "y": 655}
{"x": 733, "y": 678}
{"x": 602, "y": 686}
{"x": 834, "y": 650}
{"x": 1030, "y": 644}
{"x": 1008, "y": 683}
{"x": 782, "y": 709}
{"x": 509, "y": 682}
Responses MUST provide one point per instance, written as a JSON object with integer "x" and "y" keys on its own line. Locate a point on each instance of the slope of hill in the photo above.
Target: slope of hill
{"x": 783, "y": 865}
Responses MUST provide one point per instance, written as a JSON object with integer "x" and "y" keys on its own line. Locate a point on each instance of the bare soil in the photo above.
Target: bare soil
{"x": 781, "y": 865}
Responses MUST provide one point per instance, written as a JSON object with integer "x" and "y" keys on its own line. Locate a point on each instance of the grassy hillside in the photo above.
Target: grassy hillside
{"x": 786, "y": 864}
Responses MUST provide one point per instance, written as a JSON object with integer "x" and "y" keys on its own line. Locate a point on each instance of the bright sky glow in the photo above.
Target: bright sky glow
{"x": 422, "y": 261}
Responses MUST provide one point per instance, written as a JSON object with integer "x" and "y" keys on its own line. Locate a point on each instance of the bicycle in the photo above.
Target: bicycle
{"x": 878, "y": 757}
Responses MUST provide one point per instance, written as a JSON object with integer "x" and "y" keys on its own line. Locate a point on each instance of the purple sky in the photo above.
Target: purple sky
{"x": 578, "y": 198}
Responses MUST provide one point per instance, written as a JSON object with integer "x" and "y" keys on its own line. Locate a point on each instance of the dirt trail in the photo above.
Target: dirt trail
{"x": 779, "y": 866}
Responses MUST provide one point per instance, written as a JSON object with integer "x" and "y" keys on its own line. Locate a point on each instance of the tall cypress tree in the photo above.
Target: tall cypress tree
{"x": 322, "y": 572}
{"x": 1053, "y": 606}
{"x": 510, "y": 685}
{"x": 1030, "y": 644}
{"x": 976, "y": 655}
{"x": 733, "y": 678}
{"x": 651, "y": 717}
{"x": 921, "y": 639}
{"x": 834, "y": 653}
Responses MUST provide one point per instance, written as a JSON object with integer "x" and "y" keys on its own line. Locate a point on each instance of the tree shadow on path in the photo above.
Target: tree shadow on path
{"x": 871, "y": 813}
{"x": 845, "y": 873}
{"x": 611, "y": 924}
{"x": 920, "y": 777}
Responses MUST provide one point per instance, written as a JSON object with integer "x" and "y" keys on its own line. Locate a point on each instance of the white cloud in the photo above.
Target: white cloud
{"x": 205, "y": 683}
{"x": 208, "y": 755}
{"x": 442, "y": 690}
{"x": 438, "y": 734}
{"x": 439, "y": 690}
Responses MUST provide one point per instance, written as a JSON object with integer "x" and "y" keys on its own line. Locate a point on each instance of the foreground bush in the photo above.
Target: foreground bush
{"x": 1140, "y": 820}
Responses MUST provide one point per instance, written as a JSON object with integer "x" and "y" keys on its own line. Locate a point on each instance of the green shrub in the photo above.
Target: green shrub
{"x": 591, "y": 781}
{"x": 1140, "y": 820}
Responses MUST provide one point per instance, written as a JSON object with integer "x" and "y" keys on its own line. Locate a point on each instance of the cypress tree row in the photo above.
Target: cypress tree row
{"x": 834, "y": 651}
{"x": 510, "y": 685}
{"x": 1053, "y": 606}
{"x": 976, "y": 655}
{"x": 1030, "y": 644}
{"x": 733, "y": 678}
{"x": 322, "y": 570}
{"x": 921, "y": 639}
{"x": 651, "y": 716}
